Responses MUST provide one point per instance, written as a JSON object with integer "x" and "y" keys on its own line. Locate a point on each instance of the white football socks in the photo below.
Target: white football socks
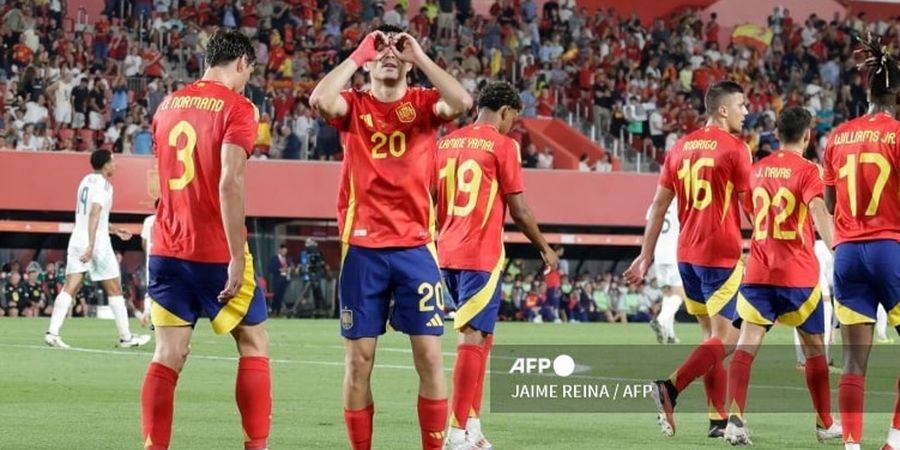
{"x": 60, "y": 311}
{"x": 894, "y": 438}
{"x": 120, "y": 314}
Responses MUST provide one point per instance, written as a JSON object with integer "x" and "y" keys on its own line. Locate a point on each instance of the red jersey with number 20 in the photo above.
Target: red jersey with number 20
{"x": 477, "y": 168}
{"x": 862, "y": 162}
{"x": 387, "y": 174}
{"x": 782, "y": 245}
{"x": 707, "y": 169}
{"x": 189, "y": 129}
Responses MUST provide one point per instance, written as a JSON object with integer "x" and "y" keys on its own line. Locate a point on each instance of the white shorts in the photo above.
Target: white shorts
{"x": 78, "y": 120}
{"x": 668, "y": 275}
{"x": 102, "y": 266}
{"x": 446, "y": 20}
{"x": 95, "y": 121}
{"x": 63, "y": 114}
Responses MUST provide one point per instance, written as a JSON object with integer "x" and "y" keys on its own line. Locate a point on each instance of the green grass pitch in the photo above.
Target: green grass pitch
{"x": 87, "y": 397}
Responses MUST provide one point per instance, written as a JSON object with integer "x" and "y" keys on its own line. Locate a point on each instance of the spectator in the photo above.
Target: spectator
{"x": 97, "y": 106}
{"x": 584, "y": 164}
{"x": 62, "y": 93}
{"x": 545, "y": 159}
{"x": 304, "y": 127}
{"x": 605, "y": 163}
{"x": 36, "y": 111}
{"x": 134, "y": 62}
{"x": 81, "y": 95}
{"x": 28, "y": 141}
{"x": 530, "y": 159}
{"x": 279, "y": 274}
{"x": 143, "y": 140}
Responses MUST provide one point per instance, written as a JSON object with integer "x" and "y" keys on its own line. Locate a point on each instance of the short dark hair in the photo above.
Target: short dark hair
{"x": 883, "y": 71}
{"x": 99, "y": 158}
{"x": 793, "y": 123}
{"x": 227, "y": 45}
{"x": 718, "y": 91}
{"x": 498, "y": 94}
{"x": 388, "y": 28}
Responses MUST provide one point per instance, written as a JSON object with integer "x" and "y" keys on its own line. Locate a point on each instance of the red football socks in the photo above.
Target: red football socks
{"x": 432, "y": 422}
{"x": 698, "y": 363}
{"x": 715, "y": 382}
{"x": 359, "y": 427}
{"x": 479, "y": 388}
{"x": 469, "y": 362}
{"x": 819, "y": 389}
{"x": 895, "y": 423}
{"x": 157, "y": 405}
{"x": 851, "y": 394}
{"x": 253, "y": 391}
{"x": 739, "y": 381}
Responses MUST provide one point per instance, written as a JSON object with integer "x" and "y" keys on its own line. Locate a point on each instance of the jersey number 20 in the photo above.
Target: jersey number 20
{"x": 185, "y": 154}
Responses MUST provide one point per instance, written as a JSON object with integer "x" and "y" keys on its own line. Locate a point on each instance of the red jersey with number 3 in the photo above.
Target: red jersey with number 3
{"x": 189, "y": 129}
{"x": 782, "y": 245}
{"x": 862, "y": 162}
{"x": 707, "y": 169}
{"x": 477, "y": 168}
{"x": 387, "y": 174}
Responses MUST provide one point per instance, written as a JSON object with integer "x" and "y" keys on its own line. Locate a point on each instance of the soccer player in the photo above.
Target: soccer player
{"x": 708, "y": 170}
{"x": 782, "y": 279}
{"x": 480, "y": 175}
{"x": 386, "y": 219}
{"x": 147, "y": 244}
{"x": 90, "y": 250}
{"x": 861, "y": 186}
{"x": 665, "y": 265}
{"x": 199, "y": 261}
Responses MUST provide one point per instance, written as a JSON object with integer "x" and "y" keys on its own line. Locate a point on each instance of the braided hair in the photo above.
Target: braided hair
{"x": 883, "y": 70}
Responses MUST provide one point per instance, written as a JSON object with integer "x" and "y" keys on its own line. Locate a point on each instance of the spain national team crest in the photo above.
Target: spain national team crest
{"x": 406, "y": 112}
{"x": 346, "y": 319}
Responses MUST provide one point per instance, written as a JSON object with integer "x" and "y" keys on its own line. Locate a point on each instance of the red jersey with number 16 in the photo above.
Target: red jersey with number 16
{"x": 388, "y": 170}
{"x": 781, "y": 247}
{"x": 189, "y": 129}
{"x": 477, "y": 168}
{"x": 862, "y": 162}
{"x": 707, "y": 169}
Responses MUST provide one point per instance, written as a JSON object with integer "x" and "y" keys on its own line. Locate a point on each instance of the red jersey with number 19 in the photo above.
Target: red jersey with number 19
{"x": 189, "y": 129}
{"x": 387, "y": 174}
{"x": 707, "y": 169}
{"x": 862, "y": 162}
{"x": 781, "y": 247}
{"x": 477, "y": 168}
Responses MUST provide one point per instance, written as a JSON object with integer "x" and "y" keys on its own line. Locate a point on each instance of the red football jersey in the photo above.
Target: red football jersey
{"x": 707, "y": 169}
{"x": 781, "y": 247}
{"x": 862, "y": 162}
{"x": 388, "y": 169}
{"x": 189, "y": 129}
{"x": 477, "y": 168}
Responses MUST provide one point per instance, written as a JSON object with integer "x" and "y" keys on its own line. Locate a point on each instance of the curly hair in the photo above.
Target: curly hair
{"x": 228, "y": 45}
{"x": 882, "y": 68}
{"x": 498, "y": 94}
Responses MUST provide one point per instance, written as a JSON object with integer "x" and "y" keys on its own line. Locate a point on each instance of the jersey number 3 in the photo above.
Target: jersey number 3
{"x": 185, "y": 154}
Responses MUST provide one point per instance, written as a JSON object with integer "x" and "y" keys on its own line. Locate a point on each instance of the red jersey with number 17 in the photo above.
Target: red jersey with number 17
{"x": 477, "y": 168}
{"x": 862, "y": 162}
{"x": 189, "y": 129}
{"x": 707, "y": 169}
{"x": 782, "y": 245}
{"x": 387, "y": 174}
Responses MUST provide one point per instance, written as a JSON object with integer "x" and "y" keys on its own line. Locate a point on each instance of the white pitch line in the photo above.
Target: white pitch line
{"x": 386, "y": 366}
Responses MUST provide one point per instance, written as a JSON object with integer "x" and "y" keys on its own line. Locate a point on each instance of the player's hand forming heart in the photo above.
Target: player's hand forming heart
{"x": 370, "y": 47}
{"x": 235, "y": 280}
{"x": 407, "y": 48}
{"x": 638, "y": 269}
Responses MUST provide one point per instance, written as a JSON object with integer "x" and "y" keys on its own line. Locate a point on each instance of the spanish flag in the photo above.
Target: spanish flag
{"x": 753, "y": 36}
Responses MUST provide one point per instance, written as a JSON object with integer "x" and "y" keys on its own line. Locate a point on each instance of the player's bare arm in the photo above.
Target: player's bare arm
{"x": 524, "y": 219}
{"x": 326, "y": 98}
{"x": 455, "y": 101}
{"x": 231, "y": 196}
{"x": 822, "y": 220}
{"x": 641, "y": 264}
{"x": 830, "y": 199}
{"x": 93, "y": 223}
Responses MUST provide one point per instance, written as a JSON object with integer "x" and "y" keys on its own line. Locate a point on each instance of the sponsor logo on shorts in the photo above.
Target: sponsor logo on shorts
{"x": 346, "y": 319}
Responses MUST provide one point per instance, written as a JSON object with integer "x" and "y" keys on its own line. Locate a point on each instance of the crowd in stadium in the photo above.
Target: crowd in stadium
{"x": 100, "y": 85}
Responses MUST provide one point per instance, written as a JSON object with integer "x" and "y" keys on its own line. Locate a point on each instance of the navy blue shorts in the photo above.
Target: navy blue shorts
{"x": 711, "y": 290}
{"x": 180, "y": 290}
{"x": 400, "y": 286}
{"x": 477, "y": 297}
{"x": 866, "y": 274}
{"x": 763, "y": 304}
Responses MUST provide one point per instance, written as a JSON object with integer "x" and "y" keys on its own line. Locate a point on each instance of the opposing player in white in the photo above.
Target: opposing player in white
{"x": 147, "y": 243}
{"x": 665, "y": 258}
{"x": 826, "y": 276}
{"x": 90, "y": 250}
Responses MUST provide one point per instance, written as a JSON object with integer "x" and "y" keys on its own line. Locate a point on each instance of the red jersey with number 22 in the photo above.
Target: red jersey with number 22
{"x": 707, "y": 169}
{"x": 782, "y": 245}
{"x": 388, "y": 170}
{"x": 189, "y": 129}
{"x": 477, "y": 168}
{"x": 862, "y": 162}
